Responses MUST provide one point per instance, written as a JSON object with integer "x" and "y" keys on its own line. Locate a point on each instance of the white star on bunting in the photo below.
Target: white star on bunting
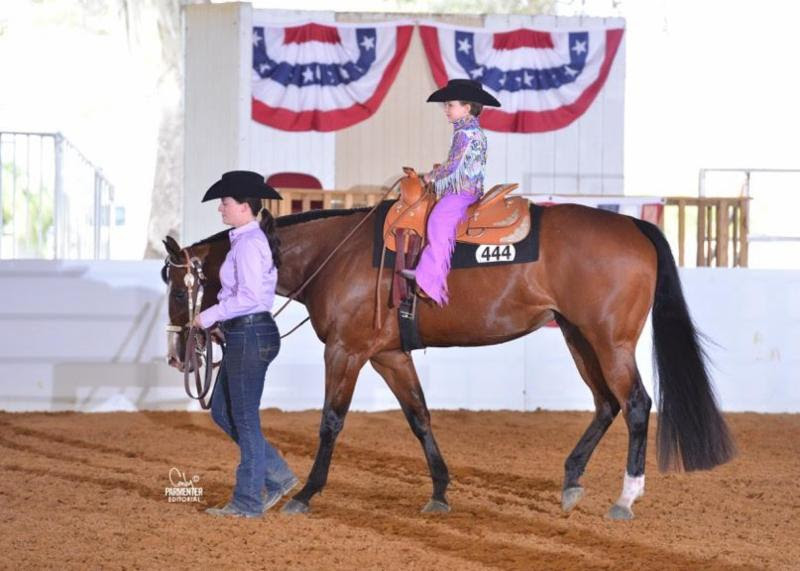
{"x": 368, "y": 43}
{"x": 464, "y": 45}
{"x": 528, "y": 79}
{"x": 579, "y": 47}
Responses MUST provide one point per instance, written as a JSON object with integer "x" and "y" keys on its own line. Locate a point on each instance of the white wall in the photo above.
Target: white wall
{"x": 90, "y": 336}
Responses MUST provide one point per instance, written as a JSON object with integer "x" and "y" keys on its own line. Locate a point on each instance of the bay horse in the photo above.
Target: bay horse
{"x": 598, "y": 275}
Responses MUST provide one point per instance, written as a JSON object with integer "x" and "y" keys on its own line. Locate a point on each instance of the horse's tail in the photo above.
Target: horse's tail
{"x": 691, "y": 431}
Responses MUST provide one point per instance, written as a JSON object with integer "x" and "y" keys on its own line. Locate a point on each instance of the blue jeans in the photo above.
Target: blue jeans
{"x": 251, "y": 343}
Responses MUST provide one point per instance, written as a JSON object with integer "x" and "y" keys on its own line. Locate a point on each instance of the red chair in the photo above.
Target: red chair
{"x": 294, "y": 180}
{"x": 297, "y": 180}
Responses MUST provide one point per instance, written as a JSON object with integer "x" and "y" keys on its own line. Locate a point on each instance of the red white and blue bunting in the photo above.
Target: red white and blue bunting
{"x": 316, "y": 77}
{"x": 544, "y": 79}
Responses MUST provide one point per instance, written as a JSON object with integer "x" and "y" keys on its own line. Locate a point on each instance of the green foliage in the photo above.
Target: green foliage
{"x": 40, "y": 221}
{"x": 30, "y": 216}
{"x": 6, "y": 214}
{"x": 8, "y": 179}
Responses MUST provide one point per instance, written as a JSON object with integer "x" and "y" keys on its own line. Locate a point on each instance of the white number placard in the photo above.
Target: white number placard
{"x": 488, "y": 253}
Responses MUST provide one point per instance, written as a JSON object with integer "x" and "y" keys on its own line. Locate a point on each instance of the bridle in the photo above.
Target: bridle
{"x": 195, "y": 281}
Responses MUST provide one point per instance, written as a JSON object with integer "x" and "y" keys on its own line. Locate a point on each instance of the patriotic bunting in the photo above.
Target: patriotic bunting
{"x": 545, "y": 79}
{"x": 318, "y": 77}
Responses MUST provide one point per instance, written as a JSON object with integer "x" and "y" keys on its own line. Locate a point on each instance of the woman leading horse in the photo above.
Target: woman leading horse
{"x": 599, "y": 274}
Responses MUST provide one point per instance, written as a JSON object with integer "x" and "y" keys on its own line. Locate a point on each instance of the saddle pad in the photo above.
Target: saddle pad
{"x": 469, "y": 255}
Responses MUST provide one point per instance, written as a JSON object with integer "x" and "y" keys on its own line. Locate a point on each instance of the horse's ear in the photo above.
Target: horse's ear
{"x": 172, "y": 246}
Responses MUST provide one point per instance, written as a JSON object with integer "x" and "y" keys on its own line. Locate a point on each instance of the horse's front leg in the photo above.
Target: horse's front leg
{"x": 341, "y": 372}
{"x": 397, "y": 369}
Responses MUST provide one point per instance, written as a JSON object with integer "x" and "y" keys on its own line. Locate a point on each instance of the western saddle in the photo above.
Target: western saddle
{"x": 495, "y": 219}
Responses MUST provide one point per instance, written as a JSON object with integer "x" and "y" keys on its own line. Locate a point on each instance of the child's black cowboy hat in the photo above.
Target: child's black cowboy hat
{"x": 464, "y": 90}
{"x": 241, "y": 184}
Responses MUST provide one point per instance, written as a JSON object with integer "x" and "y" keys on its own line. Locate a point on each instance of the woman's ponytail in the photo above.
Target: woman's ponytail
{"x": 268, "y": 227}
{"x": 267, "y": 224}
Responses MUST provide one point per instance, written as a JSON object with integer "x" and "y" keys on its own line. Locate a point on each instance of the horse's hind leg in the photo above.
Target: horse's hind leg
{"x": 606, "y": 409}
{"x": 341, "y": 373}
{"x": 618, "y": 362}
{"x": 397, "y": 368}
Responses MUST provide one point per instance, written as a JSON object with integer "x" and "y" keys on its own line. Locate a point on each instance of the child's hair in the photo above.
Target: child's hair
{"x": 474, "y": 108}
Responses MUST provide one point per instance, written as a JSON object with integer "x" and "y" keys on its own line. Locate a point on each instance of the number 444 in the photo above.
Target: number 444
{"x": 494, "y": 253}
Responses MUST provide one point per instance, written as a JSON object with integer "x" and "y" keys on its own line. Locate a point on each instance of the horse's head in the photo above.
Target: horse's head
{"x": 183, "y": 274}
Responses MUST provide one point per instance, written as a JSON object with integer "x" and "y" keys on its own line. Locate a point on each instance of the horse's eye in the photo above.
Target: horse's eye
{"x": 179, "y": 294}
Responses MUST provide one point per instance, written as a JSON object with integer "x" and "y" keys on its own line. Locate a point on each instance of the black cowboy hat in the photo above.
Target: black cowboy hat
{"x": 241, "y": 184}
{"x": 464, "y": 90}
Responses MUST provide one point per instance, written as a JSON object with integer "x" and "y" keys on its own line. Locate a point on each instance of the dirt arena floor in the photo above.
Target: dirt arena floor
{"x": 87, "y": 491}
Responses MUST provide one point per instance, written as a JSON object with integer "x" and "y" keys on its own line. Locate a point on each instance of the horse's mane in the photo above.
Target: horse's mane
{"x": 223, "y": 235}
{"x": 291, "y": 219}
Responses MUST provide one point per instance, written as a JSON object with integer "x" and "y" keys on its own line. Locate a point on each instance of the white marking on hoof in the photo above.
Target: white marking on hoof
{"x": 632, "y": 488}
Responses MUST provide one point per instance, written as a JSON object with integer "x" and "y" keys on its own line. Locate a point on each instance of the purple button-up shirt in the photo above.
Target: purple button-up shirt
{"x": 247, "y": 275}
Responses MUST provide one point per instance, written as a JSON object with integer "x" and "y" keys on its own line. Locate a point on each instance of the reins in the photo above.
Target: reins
{"x": 192, "y": 353}
{"x": 299, "y": 290}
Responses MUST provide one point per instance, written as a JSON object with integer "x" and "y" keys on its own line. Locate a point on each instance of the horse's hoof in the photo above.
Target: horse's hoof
{"x": 295, "y": 507}
{"x": 436, "y": 507}
{"x": 618, "y": 512}
{"x": 570, "y": 497}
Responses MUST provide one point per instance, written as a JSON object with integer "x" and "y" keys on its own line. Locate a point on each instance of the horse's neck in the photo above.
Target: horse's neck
{"x": 305, "y": 246}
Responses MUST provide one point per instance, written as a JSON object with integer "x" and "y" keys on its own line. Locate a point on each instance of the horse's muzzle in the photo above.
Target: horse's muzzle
{"x": 174, "y": 357}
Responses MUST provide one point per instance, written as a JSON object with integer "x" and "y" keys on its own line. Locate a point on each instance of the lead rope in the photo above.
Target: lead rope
{"x": 297, "y": 292}
{"x": 191, "y": 354}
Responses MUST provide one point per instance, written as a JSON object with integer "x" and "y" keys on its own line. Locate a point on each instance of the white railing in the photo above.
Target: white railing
{"x": 55, "y": 203}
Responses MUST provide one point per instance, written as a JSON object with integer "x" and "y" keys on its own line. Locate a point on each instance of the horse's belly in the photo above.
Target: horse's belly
{"x": 449, "y": 326}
